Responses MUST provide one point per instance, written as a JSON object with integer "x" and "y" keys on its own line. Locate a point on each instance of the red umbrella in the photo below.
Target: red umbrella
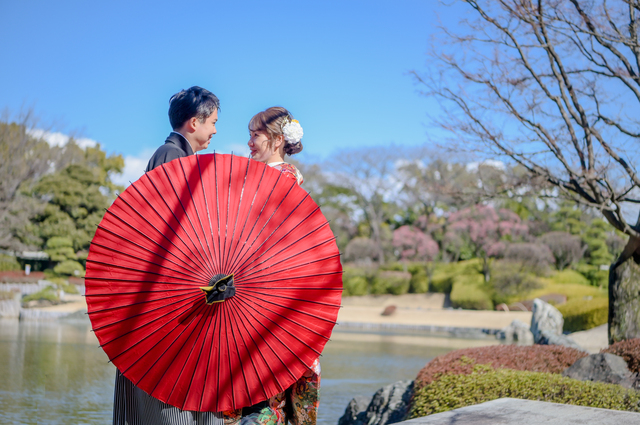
{"x": 213, "y": 282}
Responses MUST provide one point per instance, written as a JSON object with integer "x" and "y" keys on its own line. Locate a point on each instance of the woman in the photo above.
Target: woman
{"x": 273, "y": 134}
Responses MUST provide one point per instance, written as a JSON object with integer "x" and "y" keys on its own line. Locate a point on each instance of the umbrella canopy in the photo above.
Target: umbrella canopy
{"x": 213, "y": 282}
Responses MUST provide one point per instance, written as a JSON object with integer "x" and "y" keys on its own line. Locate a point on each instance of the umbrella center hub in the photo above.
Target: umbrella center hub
{"x": 220, "y": 288}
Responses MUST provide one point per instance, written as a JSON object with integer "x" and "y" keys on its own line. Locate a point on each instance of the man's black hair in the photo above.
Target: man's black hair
{"x": 192, "y": 102}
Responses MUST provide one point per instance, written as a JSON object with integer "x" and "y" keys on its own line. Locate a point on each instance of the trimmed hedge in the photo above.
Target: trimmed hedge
{"x": 534, "y": 358}
{"x": 486, "y": 384}
{"x": 49, "y": 293}
{"x": 580, "y": 315}
{"x": 629, "y": 350}
{"x": 391, "y": 282}
{"x": 468, "y": 293}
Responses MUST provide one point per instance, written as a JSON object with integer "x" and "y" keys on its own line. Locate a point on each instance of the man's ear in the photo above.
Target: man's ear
{"x": 193, "y": 123}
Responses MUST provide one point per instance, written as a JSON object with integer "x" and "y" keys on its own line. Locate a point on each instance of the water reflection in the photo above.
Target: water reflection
{"x": 54, "y": 372}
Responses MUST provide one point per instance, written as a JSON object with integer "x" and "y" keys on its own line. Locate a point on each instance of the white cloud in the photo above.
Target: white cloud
{"x": 134, "y": 167}
{"x": 59, "y": 139}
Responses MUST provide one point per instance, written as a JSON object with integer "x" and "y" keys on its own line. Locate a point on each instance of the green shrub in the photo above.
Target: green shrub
{"x": 509, "y": 280}
{"x": 49, "y": 293}
{"x": 441, "y": 282}
{"x": 69, "y": 268}
{"x": 419, "y": 283}
{"x": 391, "y": 282}
{"x": 355, "y": 285}
{"x": 486, "y": 384}
{"x": 580, "y": 315}
{"x": 445, "y": 273}
{"x": 569, "y": 276}
{"x": 594, "y": 275}
{"x": 534, "y": 358}
{"x": 572, "y": 291}
{"x": 468, "y": 293}
{"x": 9, "y": 263}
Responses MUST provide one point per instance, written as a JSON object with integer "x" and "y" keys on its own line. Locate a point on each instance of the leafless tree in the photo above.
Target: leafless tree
{"x": 551, "y": 85}
{"x": 369, "y": 178}
{"x": 23, "y": 159}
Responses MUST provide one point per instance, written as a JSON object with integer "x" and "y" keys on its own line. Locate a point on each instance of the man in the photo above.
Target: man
{"x": 193, "y": 114}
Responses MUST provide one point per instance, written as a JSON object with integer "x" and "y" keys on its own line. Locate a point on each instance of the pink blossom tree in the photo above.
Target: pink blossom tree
{"x": 414, "y": 245}
{"x": 486, "y": 231}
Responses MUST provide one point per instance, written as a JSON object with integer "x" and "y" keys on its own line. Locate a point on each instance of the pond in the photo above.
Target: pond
{"x": 54, "y": 372}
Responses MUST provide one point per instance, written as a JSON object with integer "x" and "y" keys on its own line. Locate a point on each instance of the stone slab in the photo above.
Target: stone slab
{"x": 508, "y": 411}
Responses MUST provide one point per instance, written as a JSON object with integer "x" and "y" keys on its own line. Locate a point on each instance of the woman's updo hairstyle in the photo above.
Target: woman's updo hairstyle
{"x": 272, "y": 121}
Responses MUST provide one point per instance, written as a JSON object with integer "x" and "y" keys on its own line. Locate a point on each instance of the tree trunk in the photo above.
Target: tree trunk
{"x": 624, "y": 297}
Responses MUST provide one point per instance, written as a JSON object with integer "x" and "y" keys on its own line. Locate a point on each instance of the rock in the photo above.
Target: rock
{"x": 516, "y": 331}
{"x": 550, "y": 338}
{"x": 545, "y": 317}
{"x": 602, "y": 367}
{"x": 388, "y": 405}
{"x": 355, "y": 412}
{"x": 388, "y": 310}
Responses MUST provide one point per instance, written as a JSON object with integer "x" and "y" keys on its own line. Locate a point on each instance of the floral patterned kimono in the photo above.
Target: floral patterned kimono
{"x": 298, "y": 404}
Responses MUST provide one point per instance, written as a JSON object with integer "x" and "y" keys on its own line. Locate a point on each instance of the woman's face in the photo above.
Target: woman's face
{"x": 259, "y": 145}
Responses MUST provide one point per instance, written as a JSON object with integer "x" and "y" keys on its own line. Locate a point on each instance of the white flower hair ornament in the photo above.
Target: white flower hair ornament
{"x": 292, "y": 131}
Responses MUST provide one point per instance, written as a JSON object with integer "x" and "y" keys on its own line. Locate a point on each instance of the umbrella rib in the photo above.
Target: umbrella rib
{"x": 135, "y": 303}
{"x": 226, "y": 322}
{"x": 136, "y": 280}
{"x": 253, "y": 365}
{"x": 226, "y": 223}
{"x": 286, "y": 247}
{"x": 314, "y": 316}
{"x": 284, "y": 260}
{"x": 241, "y": 254}
{"x": 285, "y": 345}
{"x": 174, "y": 310}
{"x": 145, "y": 260}
{"x": 146, "y": 236}
{"x": 193, "y": 316}
{"x": 148, "y": 250}
{"x": 241, "y": 306}
{"x": 292, "y": 321}
{"x": 175, "y": 191}
{"x": 241, "y": 266}
{"x": 248, "y": 276}
{"x": 199, "y": 260}
{"x": 275, "y": 244}
{"x": 287, "y": 298}
{"x": 226, "y": 263}
{"x": 195, "y": 206}
{"x": 206, "y": 204}
{"x": 135, "y": 270}
{"x": 167, "y": 333}
{"x": 208, "y": 314}
{"x": 208, "y": 356}
{"x": 249, "y": 249}
{"x": 198, "y": 326}
{"x": 215, "y": 173}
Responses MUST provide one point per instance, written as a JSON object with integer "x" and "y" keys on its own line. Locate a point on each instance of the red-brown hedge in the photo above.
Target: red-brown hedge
{"x": 534, "y": 358}
{"x": 629, "y": 350}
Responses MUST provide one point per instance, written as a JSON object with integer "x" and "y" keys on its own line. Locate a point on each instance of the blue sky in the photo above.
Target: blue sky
{"x": 106, "y": 70}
